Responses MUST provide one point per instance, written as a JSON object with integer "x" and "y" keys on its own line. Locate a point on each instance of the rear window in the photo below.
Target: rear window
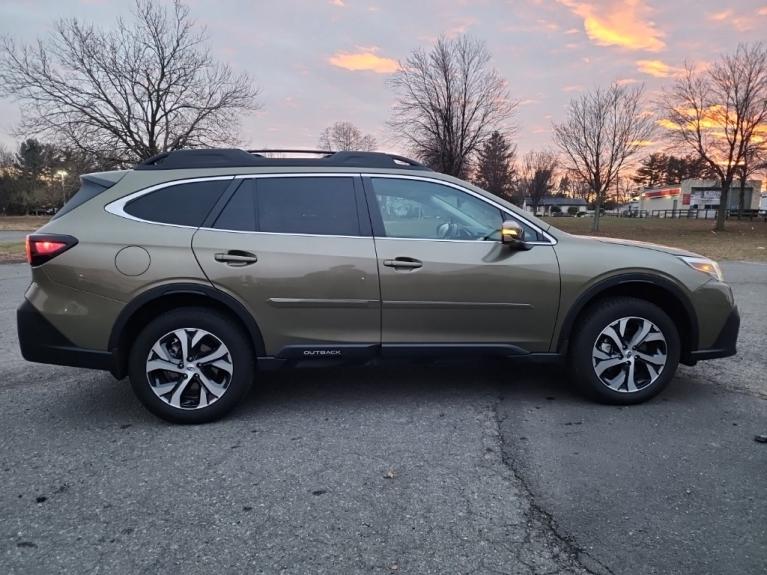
{"x": 89, "y": 189}
{"x": 301, "y": 205}
{"x": 182, "y": 204}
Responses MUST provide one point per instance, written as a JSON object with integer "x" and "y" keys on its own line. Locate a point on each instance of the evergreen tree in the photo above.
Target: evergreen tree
{"x": 652, "y": 171}
{"x": 664, "y": 170}
{"x": 686, "y": 168}
{"x": 495, "y": 166}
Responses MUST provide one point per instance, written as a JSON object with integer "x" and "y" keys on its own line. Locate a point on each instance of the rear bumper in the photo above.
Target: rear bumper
{"x": 726, "y": 342}
{"x": 41, "y": 342}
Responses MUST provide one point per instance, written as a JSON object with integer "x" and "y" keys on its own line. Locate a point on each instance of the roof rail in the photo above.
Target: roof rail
{"x": 235, "y": 158}
{"x": 289, "y": 151}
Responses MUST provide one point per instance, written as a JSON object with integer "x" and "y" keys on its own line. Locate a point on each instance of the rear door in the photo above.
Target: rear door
{"x": 447, "y": 282}
{"x": 296, "y": 251}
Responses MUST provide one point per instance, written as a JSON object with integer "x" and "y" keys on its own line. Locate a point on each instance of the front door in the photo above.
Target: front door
{"x": 447, "y": 281}
{"x": 296, "y": 252}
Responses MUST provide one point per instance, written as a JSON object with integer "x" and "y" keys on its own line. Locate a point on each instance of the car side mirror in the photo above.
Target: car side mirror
{"x": 513, "y": 235}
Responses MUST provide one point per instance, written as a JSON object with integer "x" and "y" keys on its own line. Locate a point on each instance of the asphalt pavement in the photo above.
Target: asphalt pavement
{"x": 12, "y": 236}
{"x": 459, "y": 469}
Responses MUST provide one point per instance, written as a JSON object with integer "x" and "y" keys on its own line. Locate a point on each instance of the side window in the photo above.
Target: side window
{"x": 301, "y": 205}
{"x": 240, "y": 211}
{"x": 182, "y": 204}
{"x": 427, "y": 210}
{"x": 308, "y": 205}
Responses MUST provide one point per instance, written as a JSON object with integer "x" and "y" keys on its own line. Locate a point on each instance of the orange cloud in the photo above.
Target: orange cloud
{"x": 657, "y": 68}
{"x": 762, "y": 11}
{"x": 668, "y": 124}
{"x": 365, "y": 60}
{"x": 720, "y": 16}
{"x": 714, "y": 119}
{"x": 547, "y": 25}
{"x": 624, "y": 24}
{"x": 339, "y": 3}
{"x": 460, "y": 26}
{"x": 741, "y": 23}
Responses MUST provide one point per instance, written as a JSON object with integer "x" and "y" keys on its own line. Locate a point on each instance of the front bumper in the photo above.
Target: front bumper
{"x": 726, "y": 342}
{"x": 41, "y": 342}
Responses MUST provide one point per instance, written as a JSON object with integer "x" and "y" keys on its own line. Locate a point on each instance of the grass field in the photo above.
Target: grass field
{"x": 740, "y": 241}
{"x": 22, "y": 223}
{"x": 12, "y": 252}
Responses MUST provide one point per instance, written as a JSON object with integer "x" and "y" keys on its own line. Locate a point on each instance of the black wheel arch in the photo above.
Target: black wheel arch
{"x": 170, "y": 296}
{"x": 663, "y": 292}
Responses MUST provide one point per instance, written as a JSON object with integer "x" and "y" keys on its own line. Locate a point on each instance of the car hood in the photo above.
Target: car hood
{"x": 646, "y": 245}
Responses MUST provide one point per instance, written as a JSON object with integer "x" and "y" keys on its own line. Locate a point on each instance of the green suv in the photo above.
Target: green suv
{"x": 199, "y": 268}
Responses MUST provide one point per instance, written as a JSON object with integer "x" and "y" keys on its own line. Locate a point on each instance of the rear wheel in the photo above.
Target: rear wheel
{"x": 625, "y": 351}
{"x": 191, "y": 365}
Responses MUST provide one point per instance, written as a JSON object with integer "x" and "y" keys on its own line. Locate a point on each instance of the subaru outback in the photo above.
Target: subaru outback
{"x": 198, "y": 269}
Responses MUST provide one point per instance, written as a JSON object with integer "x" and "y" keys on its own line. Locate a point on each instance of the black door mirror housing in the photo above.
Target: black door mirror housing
{"x": 513, "y": 235}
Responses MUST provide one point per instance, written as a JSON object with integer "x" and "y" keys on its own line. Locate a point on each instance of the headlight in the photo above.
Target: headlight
{"x": 704, "y": 265}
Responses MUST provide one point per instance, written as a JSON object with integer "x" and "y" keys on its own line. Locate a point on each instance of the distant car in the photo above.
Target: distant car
{"x": 199, "y": 269}
{"x": 44, "y": 212}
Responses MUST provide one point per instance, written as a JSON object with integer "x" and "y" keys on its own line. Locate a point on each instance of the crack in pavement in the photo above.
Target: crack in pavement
{"x": 540, "y": 520}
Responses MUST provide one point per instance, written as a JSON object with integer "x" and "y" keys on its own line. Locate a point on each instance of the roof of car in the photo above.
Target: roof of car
{"x": 236, "y": 158}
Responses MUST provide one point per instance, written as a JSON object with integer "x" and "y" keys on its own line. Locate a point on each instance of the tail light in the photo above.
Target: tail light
{"x": 44, "y": 247}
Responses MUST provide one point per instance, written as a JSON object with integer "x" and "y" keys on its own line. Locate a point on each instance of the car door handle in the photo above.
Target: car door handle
{"x": 404, "y": 263}
{"x": 236, "y": 258}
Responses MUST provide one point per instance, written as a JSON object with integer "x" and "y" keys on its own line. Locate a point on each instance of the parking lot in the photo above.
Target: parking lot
{"x": 472, "y": 468}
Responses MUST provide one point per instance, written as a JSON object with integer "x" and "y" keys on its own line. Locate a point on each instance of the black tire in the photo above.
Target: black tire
{"x": 591, "y": 324}
{"x": 240, "y": 356}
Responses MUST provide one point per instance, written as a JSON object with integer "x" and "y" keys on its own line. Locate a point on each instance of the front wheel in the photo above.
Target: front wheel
{"x": 191, "y": 365}
{"x": 625, "y": 351}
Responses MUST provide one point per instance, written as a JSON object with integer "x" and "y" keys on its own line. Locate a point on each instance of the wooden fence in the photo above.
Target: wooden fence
{"x": 692, "y": 214}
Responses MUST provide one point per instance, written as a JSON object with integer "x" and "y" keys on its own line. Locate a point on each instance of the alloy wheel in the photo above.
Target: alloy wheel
{"x": 189, "y": 368}
{"x": 629, "y": 354}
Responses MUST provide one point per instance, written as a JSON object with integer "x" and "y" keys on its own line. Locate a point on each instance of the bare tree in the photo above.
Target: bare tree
{"x": 603, "y": 131}
{"x": 147, "y": 86}
{"x": 449, "y": 102}
{"x": 495, "y": 166}
{"x": 346, "y": 136}
{"x": 581, "y": 189}
{"x": 6, "y": 158}
{"x": 536, "y": 177}
{"x": 716, "y": 113}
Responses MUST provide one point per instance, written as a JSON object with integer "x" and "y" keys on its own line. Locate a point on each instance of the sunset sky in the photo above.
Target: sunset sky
{"x": 318, "y": 61}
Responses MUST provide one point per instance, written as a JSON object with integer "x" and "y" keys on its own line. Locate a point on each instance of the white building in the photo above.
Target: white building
{"x": 549, "y": 205}
{"x": 700, "y": 195}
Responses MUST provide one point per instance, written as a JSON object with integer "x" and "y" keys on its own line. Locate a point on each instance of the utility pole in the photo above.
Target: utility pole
{"x": 62, "y": 174}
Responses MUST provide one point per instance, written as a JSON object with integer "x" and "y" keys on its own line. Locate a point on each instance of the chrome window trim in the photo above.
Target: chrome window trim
{"x": 292, "y": 234}
{"x": 552, "y": 240}
{"x": 117, "y": 207}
